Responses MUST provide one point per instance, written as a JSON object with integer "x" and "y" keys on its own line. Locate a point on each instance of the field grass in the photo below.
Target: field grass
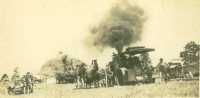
{"x": 173, "y": 89}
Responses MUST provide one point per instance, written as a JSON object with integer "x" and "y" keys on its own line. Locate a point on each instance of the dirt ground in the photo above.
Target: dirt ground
{"x": 173, "y": 89}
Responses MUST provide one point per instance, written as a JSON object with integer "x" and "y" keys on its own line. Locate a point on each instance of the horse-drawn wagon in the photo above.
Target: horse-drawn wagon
{"x": 65, "y": 77}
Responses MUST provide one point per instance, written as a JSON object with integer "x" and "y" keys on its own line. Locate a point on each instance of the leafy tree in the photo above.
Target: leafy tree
{"x": 190, "y": 55}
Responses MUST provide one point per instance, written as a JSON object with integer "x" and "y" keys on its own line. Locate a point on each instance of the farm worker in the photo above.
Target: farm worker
{"x": 4, "y": 78}
{"x": 161, "y": 69}
{"x": 28, "y": 79}
{"x": 16, "y": 79}
{"x": 95, "y": 65}
{"x": 4, "y": 83}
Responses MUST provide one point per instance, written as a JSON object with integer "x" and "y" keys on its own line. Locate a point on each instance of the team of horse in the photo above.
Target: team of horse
{"x": 95, "y": 77}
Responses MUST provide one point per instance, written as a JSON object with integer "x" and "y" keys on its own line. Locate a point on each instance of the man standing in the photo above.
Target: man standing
{"x": 28, "y": 82}
{"x": 5, "y": 83}
{"x": 162, "y": 70}
{"x": 95, "y": 65}
{"x": 15, "y": 79}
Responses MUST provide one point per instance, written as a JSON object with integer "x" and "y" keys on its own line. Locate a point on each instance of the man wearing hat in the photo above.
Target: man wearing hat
{"x": 28, "y": 82}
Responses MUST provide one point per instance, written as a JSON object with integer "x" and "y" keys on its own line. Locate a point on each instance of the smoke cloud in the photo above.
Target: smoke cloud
{"x": 119, "y": 28}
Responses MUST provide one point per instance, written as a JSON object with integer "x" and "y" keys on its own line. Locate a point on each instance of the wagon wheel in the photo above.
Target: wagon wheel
{"x": 10, "y": 91}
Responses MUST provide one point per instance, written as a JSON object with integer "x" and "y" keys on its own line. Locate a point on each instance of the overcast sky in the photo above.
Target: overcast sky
{"x": 33, "y": 31}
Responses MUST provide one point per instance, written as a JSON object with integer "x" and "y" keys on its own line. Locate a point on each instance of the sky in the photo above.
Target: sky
{"x": 34, "y": 31}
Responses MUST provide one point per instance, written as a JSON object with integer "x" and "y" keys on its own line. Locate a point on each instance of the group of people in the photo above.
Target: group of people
{"x": 166, "y": 72}
{"x": 24, "y": 83}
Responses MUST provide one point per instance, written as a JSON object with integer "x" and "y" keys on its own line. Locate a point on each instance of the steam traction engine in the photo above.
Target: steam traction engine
{"x": 135, "y": 66}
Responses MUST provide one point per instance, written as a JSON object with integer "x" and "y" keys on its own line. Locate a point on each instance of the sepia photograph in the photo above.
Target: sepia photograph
{"x": 99, "y": 48}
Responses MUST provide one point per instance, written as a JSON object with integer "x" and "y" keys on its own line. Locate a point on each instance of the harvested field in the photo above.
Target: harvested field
{"x": 173, "y": 89}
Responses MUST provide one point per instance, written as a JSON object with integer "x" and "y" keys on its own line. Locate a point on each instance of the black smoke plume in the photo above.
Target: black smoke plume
{"x": 121, "y": 27}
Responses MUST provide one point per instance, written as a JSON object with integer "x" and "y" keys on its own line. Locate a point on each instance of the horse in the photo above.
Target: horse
{"x": 106, "y": 78}
{"x": 80, "y": 72}
{"x": 88, "y": 76}
{"x": 59, "y": 78}
{"x": 92, "y": 76}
